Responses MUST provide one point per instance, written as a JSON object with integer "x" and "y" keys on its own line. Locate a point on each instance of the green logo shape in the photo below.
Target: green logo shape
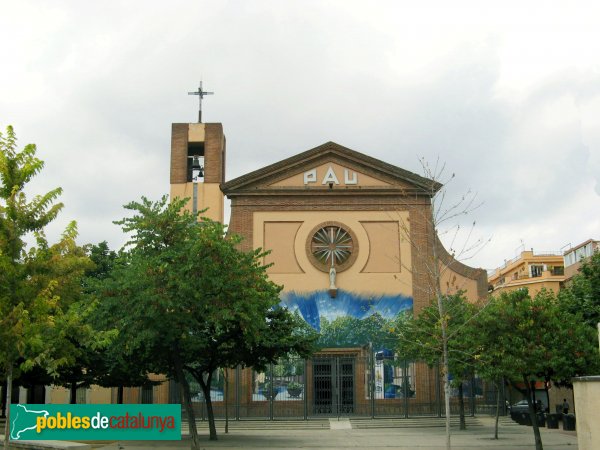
{"x": 95, "y": 422}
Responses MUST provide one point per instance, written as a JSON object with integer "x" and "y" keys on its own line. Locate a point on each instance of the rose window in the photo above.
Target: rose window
{"x": 332, "y": 245}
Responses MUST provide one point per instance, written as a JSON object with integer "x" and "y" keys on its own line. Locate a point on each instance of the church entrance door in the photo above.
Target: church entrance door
{"x": 333, "y": 385}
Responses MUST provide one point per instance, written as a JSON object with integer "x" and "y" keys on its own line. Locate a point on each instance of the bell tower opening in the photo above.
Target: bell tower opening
{"x": 195, "y": 163}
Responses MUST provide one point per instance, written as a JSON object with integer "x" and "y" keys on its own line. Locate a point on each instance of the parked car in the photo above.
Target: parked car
{"x": 520, "y": 406}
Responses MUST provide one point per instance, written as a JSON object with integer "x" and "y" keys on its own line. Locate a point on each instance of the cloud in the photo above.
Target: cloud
{"x": 508, "y": 99}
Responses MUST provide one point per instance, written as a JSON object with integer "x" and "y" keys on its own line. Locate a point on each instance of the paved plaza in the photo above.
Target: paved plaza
{"x": 422, "y": 434}
{"x": 478, "y": 436}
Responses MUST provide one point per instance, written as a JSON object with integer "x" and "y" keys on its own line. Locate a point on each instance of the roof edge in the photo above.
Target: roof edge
{"x": 426, "y": 184}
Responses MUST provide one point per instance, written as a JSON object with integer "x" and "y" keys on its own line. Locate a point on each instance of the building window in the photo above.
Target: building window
{"x": 332, "y": 244}
{"x": 394, "y": 378}
{"x": 284, "y": 381}
{"x": 536, "y": 271}
{"x": 570, "y": 259}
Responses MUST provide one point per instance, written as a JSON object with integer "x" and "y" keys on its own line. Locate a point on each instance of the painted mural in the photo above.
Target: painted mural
{"x": 350, "y": 319}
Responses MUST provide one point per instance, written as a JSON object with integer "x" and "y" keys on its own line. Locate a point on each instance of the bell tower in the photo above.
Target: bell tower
{"x": 198, "y": 166}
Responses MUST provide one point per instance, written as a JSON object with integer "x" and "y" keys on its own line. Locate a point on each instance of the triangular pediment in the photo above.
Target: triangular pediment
{"x": 325, "y": 167}
{"x": 330, "y": 171}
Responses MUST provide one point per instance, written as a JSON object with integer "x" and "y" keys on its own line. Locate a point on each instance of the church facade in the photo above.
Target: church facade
{"x": 352, "y": 243}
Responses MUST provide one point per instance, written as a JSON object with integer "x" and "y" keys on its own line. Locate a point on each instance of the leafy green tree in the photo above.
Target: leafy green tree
{"x": 68, "y": 262}
{"x": 189, "y": 302}
{"x": 94, "y": 345}
{"x": 524, "y": 339}
{"x": 108, "y": 365}
{"x": 104, "y": 260}
{"x": 582, "y": 296}
{"x": 61, "y": 265}
{"x": 36, "y": 284}
{"x": 420, "y": 338}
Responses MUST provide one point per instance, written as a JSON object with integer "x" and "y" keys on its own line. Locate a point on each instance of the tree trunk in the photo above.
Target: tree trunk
{"x": 209, "y": 409}
{"x": 226, "y": 398}
{"x": 444, "y": 329}
{"x": 461, "y": 406}
{"x": 187, "y": 400}
{"x": 120, "y": 390}
{"x": 8, "y": 398}
{"x": 533, "y": 416}
{"x": 445, "y": 367}
{"x": 497, "y": 410}
{"x": 533, "y": 396}
{"x": 446, "y": 385}
{"x": 73, "y": 392}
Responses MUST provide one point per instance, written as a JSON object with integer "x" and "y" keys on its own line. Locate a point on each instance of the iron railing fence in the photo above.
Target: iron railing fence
{"x": 339, "y": 385}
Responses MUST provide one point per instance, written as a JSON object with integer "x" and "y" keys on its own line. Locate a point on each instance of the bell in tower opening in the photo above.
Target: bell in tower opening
{"x": 195, "y": 168}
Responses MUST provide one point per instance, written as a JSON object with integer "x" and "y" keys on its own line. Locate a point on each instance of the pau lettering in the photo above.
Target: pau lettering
{"x": 350, "y": 177}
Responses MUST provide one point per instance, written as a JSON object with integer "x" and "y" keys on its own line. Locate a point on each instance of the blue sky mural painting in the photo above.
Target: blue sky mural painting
{"x": 350, "y": 319}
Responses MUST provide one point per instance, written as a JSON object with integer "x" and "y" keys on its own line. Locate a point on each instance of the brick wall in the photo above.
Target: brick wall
{"x": 214, "y": 145}
{"x": 179, "y": 144}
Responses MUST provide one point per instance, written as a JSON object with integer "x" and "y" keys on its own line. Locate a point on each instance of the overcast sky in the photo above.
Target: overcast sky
{"x": 507, "y": 96}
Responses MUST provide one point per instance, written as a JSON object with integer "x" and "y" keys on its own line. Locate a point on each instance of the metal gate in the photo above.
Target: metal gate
{"x": 333, "y": 385}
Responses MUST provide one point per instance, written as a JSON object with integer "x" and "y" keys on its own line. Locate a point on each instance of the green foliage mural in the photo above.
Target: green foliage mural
{"x": 350, "y": 331}
{"x": 350, "y": 319}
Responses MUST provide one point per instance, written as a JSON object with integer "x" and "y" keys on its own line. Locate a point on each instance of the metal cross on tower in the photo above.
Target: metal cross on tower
{"x": 200, "y": 93}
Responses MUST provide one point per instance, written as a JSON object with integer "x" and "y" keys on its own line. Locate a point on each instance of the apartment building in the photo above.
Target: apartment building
{"x": 531, "y": 269}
